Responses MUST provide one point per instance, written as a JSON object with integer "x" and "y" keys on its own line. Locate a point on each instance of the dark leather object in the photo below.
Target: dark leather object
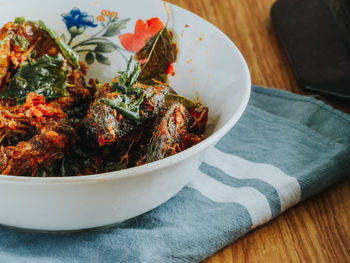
{"x": 316, "y": 43}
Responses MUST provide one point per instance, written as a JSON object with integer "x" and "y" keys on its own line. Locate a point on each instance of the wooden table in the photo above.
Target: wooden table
{"x": 317, "y": 230}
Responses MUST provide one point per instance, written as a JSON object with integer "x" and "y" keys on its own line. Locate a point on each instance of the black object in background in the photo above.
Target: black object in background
{"x": 316, "y": 37}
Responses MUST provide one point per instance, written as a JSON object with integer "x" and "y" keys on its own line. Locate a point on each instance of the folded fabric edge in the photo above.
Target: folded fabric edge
{"x": 296, "y": 97}
{"x": 295, "y": 125}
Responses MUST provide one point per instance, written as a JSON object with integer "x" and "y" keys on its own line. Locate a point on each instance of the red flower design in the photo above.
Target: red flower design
{"x": 143, "y": 32}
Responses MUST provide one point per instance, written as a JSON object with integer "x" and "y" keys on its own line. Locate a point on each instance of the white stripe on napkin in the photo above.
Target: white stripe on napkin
{"x": 255, "y": 202}
{"x": 287, "y": 187}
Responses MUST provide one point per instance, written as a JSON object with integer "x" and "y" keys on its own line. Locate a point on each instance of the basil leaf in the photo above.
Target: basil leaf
{"x": 130, "y": 98}
{"x": 67, "y": 51}
{"x": 130, "y": 75}
{"x": 159, "y": 52}
{"x": 133, "y": 71}
{"x": 126, "y": 106}
{"x": 45, "y": 76}
{"x": 19, "y": 20}
{"x": 128, "y": 78}
{"x": 122, "y": 88}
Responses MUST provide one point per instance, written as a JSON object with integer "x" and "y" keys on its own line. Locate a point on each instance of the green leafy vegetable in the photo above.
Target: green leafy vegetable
{"x": 67, "y": 51}
{"x": 19, "y": 20}
{"x": 128, "y": 77}
{"x": 159, "y": 52}
{"x": 112, "y": 166}
{"x": 75, "y": 162}
{"x": 130, "y": 98}
{"x": 71, "y": 164}
{"x": 128, "y": 107}
{"x": 45, "y": 76}
{"x": 169, "y": 98}
{"x": 21, "y": 42}
{"x": 63, "y": 37}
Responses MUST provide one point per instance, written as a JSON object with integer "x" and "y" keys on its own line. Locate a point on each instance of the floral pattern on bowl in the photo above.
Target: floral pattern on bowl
{"x": 108, "y": 25}
{"x": 98, "y": 44}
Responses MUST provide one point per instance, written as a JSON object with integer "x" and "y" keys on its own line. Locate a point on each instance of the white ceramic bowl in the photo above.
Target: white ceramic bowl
{"x": 209, "y": 65}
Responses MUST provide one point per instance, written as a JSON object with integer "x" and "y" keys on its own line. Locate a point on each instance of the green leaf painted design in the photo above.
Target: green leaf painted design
{"x": 105, "y": 47}
{"x": 89, "y": 58}
{"x": 115, "y": 28}
{"x": 91, "y": 42}
{"x": 98, "y": 43}
{"x": 103, "y": 59}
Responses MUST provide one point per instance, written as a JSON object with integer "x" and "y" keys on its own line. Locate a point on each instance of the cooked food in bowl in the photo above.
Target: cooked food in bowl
{"x": 56, "y": 123}
{"x": 49, "y": 133}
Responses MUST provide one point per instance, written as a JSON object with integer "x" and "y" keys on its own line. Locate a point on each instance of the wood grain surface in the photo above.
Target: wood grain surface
{"x": 317, "y": 230}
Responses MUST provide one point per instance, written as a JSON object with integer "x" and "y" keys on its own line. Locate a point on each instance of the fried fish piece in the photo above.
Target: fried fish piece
{"x": 22, "y": 122}
{"x": 33, "y": 135}
{"x": 167, "y": 133}
{"x": 105, "y": 125}
{"x": 42, "y": 150}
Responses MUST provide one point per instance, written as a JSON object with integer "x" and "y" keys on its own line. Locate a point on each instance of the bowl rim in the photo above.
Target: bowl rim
{"x": 157, "y": 165}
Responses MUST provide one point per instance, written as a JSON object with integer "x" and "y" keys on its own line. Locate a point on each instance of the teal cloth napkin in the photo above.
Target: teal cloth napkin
{"x": 283, "y": 150}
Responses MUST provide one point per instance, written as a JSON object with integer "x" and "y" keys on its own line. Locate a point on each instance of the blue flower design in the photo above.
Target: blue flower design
{"x": 78, "y": 19}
